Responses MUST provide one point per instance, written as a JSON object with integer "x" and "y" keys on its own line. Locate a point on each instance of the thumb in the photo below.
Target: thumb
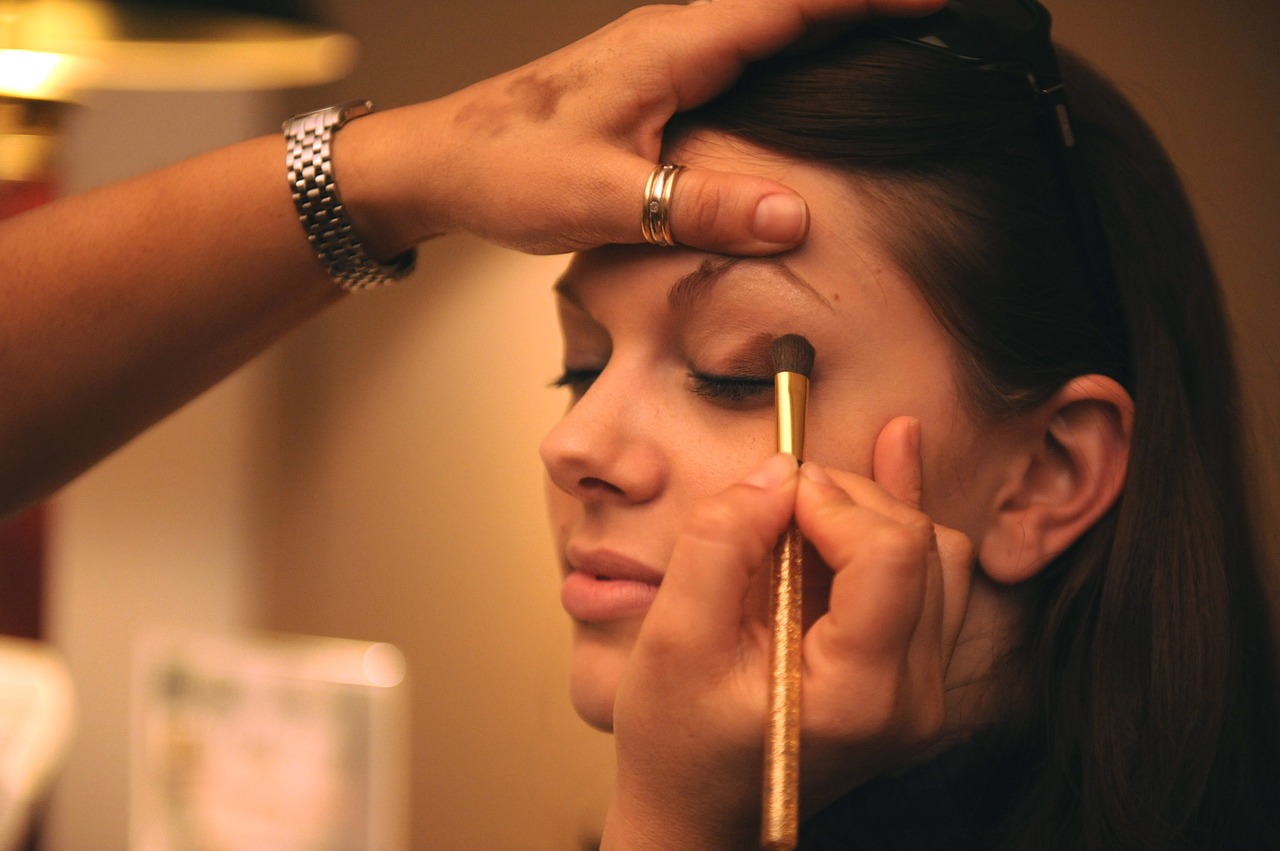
{"x": 896, "y": 463}
{"x": 736, "y": 214}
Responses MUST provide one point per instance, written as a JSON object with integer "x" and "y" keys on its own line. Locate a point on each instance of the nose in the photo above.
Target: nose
{"x": 607, "y": 448}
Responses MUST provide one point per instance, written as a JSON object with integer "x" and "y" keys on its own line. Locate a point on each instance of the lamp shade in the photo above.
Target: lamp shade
{"x": 289, "y": 10}
{"x": 55, "y": 48}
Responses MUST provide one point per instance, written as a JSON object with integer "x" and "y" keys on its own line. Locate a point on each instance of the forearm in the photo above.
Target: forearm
{"x": 118, "y": 306}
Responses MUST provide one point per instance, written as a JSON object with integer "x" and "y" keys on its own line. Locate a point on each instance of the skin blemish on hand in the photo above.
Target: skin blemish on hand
{"x": 540, "y": 94}
{"x": 529, "y": 95}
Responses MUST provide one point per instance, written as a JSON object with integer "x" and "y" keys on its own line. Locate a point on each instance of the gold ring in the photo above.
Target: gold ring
{"x": 655, "y": 224}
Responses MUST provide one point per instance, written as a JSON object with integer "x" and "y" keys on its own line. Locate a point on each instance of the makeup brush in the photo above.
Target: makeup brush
{"x": 792, "y": 357}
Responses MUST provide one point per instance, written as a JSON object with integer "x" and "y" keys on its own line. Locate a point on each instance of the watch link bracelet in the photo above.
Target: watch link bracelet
{"x": 315, "y": 195}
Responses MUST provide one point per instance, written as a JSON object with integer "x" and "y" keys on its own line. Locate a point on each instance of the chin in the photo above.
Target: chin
{"x": 599, "y": 656}
{"x": 593, "y": 705}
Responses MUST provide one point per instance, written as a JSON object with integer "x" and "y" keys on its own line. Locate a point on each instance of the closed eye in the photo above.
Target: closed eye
{"x": 577, "y": 380}
{"x": 736, "y": 390}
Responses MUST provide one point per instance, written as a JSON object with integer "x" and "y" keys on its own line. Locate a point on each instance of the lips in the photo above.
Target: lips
{"x": 606, "y": 586}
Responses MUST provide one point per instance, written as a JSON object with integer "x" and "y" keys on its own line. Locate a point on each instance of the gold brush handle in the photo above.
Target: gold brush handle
{"x": 780, "y": 822}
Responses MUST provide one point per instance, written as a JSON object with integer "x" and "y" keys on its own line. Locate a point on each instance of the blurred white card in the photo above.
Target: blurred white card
{"x": 268, "y": 743}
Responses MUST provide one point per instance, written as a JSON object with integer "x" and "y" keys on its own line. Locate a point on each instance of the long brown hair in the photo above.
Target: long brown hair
{"x": 1147, "y": 655}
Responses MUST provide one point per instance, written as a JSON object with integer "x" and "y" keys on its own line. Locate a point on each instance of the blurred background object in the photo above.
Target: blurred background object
{"x": 53, "y": 49}
{"x": 282, "y": 742}
{"x": 37, "y": 711}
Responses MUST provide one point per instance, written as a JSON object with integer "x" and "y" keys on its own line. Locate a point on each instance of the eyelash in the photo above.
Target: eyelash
{"x": 576, "y": 380}
{"x": 730, "y": 389}
{"x": 736, "y": 389}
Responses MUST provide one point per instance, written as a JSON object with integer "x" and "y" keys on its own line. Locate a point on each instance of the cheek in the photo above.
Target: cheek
{"x": 725, "y": 457}
{"x": 841, "y": 433}
{"x": 707, "y": 449}
{"x": 964, "y": 469}
{"x": 845, "y": 423}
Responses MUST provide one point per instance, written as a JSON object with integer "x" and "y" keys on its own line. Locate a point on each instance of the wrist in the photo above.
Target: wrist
{"x": 325, "y": 219}
{"x": 380, "y": 164}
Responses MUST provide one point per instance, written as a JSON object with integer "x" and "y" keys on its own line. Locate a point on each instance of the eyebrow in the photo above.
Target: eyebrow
{"x": 696, "y": 285}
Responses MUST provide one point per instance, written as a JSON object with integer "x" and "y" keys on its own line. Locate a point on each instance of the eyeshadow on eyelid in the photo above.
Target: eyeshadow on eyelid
{"x": 748, "y": 359}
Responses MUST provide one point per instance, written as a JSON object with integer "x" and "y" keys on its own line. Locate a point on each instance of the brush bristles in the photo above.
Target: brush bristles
{"x": 792, "y": 353}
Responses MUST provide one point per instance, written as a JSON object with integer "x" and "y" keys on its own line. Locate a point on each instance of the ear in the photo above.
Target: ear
{"x": 1070, "y": 474}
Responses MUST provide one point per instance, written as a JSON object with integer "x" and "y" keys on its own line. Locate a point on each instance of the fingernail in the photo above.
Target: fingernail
{"x": 816, "y": 473}
{"x": 773, "y": 472}
{"x": 781, "y": 219}
{"x": 913, "y": 434}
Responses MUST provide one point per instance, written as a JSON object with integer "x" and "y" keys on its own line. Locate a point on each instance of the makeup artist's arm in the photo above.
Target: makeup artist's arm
{"x": 119, "y": 305}
{"x": 689, "y": 716}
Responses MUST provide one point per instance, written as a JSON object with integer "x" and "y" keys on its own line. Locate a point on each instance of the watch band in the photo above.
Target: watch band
{"x": 315, "y": 195}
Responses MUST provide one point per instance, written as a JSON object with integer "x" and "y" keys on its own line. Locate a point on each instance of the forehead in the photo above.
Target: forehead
{"x": 690, "y": 289}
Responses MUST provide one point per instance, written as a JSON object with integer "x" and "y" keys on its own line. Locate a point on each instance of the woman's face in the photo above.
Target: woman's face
{"x": 666, "y": 357}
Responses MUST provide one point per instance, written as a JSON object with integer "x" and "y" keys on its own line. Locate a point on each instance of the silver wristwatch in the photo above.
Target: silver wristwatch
{"x": 315, "y": 194}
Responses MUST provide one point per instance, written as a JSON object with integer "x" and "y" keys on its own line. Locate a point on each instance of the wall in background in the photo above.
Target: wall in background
{"x": 376, "y": 475}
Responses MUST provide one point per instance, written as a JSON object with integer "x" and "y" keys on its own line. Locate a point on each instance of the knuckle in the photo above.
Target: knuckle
{"x": 661, "y": 644}
{"x": 713, "y": 520}
{"x": 892, "y": 705}
{"x": 901, "y": 543}
{"x": 922, "y": 528}
{"x": 704, "y": 212}
{"x": 644, "y": 12}
{"x": 905, "y": 711}
{"x": 954, "y": 545}
{"x": 880, "y": 712}
{"x": 867, "y": 708}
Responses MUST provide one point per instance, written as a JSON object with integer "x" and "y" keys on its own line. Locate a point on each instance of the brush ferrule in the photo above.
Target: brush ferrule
{"x": 792, "y": 390}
